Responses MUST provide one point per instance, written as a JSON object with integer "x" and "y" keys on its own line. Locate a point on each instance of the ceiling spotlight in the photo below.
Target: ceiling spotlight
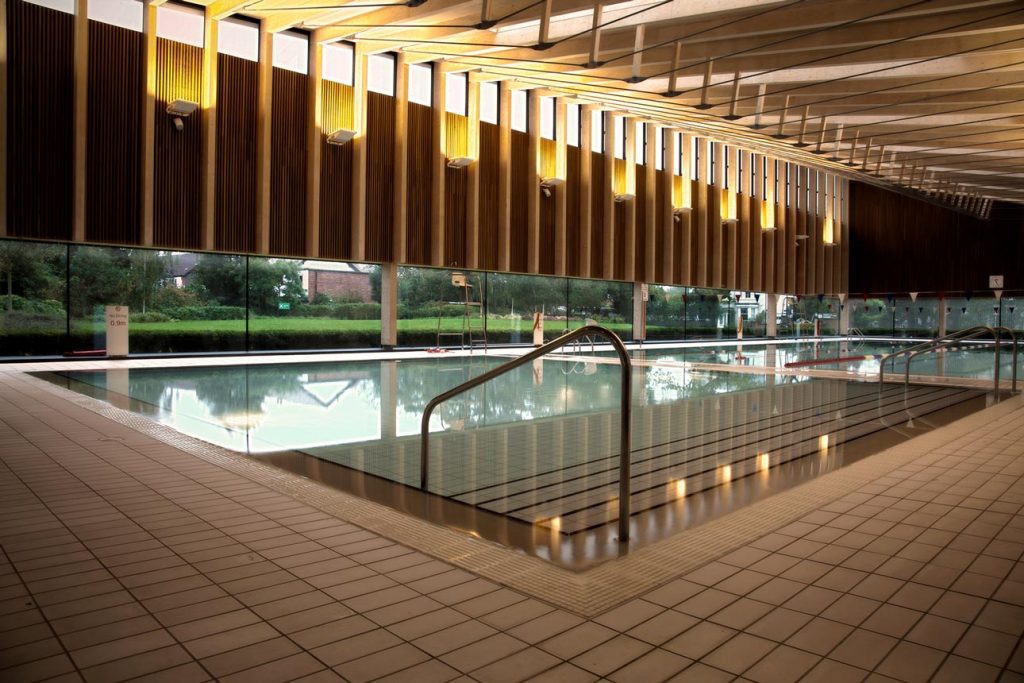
{"x": 460, "y": 162}
{"x": 342, "y": 136}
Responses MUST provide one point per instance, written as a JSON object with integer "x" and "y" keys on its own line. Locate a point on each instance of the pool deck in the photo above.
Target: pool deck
{"x": 131, "y": 551}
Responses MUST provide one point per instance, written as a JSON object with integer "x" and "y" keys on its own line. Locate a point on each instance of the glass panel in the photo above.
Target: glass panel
{"x": 295, "y": 304}
{"x": 199, "y": 306}
{"x": 241, "y": 39}
{"x": 917, "y": 318}
{"x": 128, "y": 14}
{"x": 1013, "y": 313}
{"x": 705, "y": 313}
{"x": 420, "y": 76}
{"x": 455, "y": 93}
{"x": 572, "y": 125}
{"x": 519, "y": 105}
{"x": 176, "y": 22}
{"x": 659, "y": 148}
{"x": 597, "y": 120}
{"x": 489, "y": 102}
{"x": 339, "y": 63}
{"x": 512, "y": 301}
{"x": 432, "y": 311}
{"x": 619, "y": 137}
{"x": 640, "y": 142}
{"x": 380, "y": 74}
{"x": 33, "y": 320}
{"x": 291, "y": 51}
{"x": 871, "y": 316}
{"x": 963, "y": 312}
{"x": 547, "y": 118}
{"x": 604, "y": 302}
{"x": 666, "y": 312}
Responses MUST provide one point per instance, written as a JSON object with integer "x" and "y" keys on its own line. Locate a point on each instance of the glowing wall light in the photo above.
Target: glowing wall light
{"x": 728, "y": 206}
{"x": 768, "y": 215}
{"x": 725, "y": 474}
{"x": 828, "y": 232}
{"x": 823, "y": 445}
{"x": 680, "y": 487}
{"x": 764, "y": 461}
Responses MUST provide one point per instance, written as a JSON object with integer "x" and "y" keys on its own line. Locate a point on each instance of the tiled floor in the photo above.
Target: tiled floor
{"x": 124, "y": 556}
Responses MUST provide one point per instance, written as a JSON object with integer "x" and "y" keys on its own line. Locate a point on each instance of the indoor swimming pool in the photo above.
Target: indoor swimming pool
{"x": 530, "y": 459}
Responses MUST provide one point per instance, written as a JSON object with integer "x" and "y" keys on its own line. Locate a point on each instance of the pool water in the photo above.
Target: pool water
{"x": 530, "y": 459}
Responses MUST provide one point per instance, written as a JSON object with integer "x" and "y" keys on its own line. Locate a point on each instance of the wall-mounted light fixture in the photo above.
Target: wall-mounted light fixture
{"x": 460, "y": 162}
{"x": 181, "y": 109}
{"x": 767, "y": 216}
{"x": 828, "y": 232}
{"x": 547, "y": 183}
{"x": 728, "y": 207}
{"x": 624, "y": 197}
{"x": 679, "y": 212}
{"x": 340, "y": 137}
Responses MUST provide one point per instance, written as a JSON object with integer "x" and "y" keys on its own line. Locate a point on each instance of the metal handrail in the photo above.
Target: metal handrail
{"x": 1013, "y": 367}
{"x": 922, "y": 346}
{"x": 949, "y": 342}
{"x": 625, "y": 409}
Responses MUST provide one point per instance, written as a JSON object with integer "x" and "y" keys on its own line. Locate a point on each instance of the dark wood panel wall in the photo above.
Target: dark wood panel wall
{"x": 336, "y": 174}
{"x": 901, "y": 244}
{"x": 638, "y": 238}
{"x": 489, "y": 167}
{"x": 40, "y": 121}
{"x": 114, "y": 138}
{"x": 235, "y": 221}
{"x": 380, "y": 175}
{"x": 176, "y": 181}
{"x": 421, "y": 156}
{"x": 288, "y": 163}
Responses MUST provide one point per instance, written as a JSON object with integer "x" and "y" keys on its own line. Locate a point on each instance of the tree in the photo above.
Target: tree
{"x": 220, "y": 279}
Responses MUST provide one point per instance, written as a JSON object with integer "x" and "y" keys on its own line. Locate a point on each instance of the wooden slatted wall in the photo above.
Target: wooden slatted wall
{"x": 522, "y": 174}
{"x": 236, "y": 154}
{"x": 455, "y": 183}
{"x": 40, "y": 121}
{"x": 599, "y": 221}
{"x": 114, "y": 137}
{"x": 421, "y": 146}
{"x": 489, "y": 135}
{"x": 335, "y": 174}
{"x": 288, "y": 163}
{"x": 546, "y": 149}
{"x": 572, "y": 213}
{"x": 176, "y": 181}
{"x": 380, "y": 175}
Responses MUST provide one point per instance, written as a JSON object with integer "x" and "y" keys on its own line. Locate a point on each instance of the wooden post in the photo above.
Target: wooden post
{"x": 608, "y": 270}
{"x": 3, "y": 119}
{"x": 400, "y": 199}
{"x": 533, "y": 183}
{"x": 81, "y": 114}
{"x": 264, "y": 108}
{"x": 505, "y": 177}
{"x": 438, "y": 165}
{"x": 650, "y": 206}
{"x": 359, "y": 154}
{"x": 629, "y": 272}
{"x": 473, "y": 173}
{"x": 314, "y": 133}
{"x": 586, "y": 228}
{"x": 668, "y": 242}
{"x": 560, "y": 193}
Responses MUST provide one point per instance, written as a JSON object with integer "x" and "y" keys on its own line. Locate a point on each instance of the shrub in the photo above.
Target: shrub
{"x": 150, "y": 317}
{"x": 204, "y": 313}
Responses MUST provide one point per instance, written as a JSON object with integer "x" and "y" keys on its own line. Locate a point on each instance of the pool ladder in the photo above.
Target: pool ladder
{"x": 951, "y": 340}
{"x": 625, "y": 430}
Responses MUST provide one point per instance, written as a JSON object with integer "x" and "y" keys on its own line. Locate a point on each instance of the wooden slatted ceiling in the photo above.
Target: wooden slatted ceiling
{"x": 176, "y": 211}
{"x": 40, "y": 122}
{"x": 114, "y": 137}
{"x": 235, "y": 227}
{"x": 938, "y": 82}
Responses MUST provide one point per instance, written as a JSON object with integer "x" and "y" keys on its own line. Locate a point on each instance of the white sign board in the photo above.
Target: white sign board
{"x": 644, "y": 292}
{"x": 995, "y": 281}
{"x": 117, "y": 331}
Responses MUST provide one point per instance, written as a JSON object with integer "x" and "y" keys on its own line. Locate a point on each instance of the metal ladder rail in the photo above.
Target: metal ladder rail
{"x": 1013, "y": 366}
{"x": 625, "y": 431}
{"x": 947, "y": 343}
{"x": 922, "y": 346}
